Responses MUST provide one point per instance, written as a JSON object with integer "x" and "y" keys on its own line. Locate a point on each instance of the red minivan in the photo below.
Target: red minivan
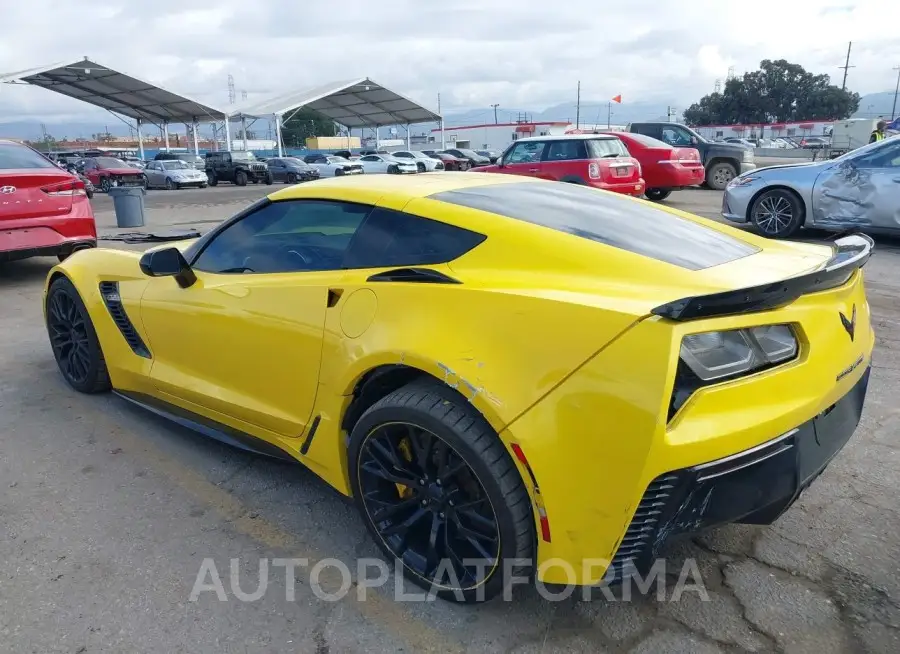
{"x": 44, "y": 210}
{"x": 598, "y": 160}
{"x": 665, "y": 168}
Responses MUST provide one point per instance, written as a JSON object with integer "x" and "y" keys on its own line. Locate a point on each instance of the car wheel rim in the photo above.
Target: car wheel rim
{"x": 723, "y": 175}
{"x": 68, "y": 337}
{"x": 774, "y": 214}
{"x": 428, "y": 506}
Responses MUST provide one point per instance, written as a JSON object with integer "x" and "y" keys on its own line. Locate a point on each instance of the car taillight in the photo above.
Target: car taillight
{"x": 74, "y": 187}
{"x": 594, "y": 170}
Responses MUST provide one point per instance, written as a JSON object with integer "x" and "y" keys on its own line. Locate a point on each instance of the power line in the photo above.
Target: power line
{"x": 896, "y": 90}
{"x": 846, "y": 67}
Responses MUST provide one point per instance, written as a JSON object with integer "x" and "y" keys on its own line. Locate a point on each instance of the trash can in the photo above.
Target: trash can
{"x": 128, "y": 203}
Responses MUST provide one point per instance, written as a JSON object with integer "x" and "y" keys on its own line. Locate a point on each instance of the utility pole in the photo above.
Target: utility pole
{"x": 896, "y": 90}
{"x": 846, "y": 67}
{"x": 443, "y": 142}
{"x": 495, "y": 112}
{"x": 578, "y": 107}
{"x": 608, "y": 114}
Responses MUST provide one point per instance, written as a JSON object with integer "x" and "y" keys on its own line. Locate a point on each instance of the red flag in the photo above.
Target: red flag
{"x": 618, "y": 99}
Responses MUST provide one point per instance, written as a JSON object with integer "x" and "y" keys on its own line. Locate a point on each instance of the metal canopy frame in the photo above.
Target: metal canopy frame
{"x": 353, "y": 103}
{"x": 119, "y": 93}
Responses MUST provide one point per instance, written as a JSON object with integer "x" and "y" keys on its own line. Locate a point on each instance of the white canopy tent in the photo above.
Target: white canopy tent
{"x": 354, "y": 103}
{"x": 121, "y": 94}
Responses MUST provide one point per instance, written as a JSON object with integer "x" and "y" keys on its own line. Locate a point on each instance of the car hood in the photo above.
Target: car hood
{"x": 805, "y": 164}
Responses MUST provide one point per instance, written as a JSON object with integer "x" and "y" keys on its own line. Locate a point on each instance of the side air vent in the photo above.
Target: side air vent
{"x": 110, "y": 293}
{"x": 639, "y": 541}
{"x": 413, "y": 275}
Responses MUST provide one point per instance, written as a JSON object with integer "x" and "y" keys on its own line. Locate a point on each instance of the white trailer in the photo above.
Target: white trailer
{"x": 851, "y": 134}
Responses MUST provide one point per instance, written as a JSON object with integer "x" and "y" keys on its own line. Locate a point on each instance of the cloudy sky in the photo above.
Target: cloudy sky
{"x": 519, "y": 53}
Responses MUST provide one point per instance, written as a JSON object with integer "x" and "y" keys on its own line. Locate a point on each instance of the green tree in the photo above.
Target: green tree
{"x": 304, "y": 124}
{"x": 778, "y": 92}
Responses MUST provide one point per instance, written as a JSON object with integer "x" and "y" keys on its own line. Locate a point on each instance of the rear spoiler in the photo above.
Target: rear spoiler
{"x": 849, "y": 254}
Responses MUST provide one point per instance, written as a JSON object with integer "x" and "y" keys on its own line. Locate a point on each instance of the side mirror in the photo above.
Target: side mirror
{"x": 168, "y": 263}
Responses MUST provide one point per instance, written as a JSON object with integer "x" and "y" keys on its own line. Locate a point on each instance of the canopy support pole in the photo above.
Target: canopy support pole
{"x": 407, "y": 136}
{"x": 194, "y": 126}
{"x": 443, "y": 144}
{"x": 140, "y": 136}
{"x": 278, "y": 135}
{"x": 166, "y": 134}
{"x": 244, "y": 131}
{"x": 227, "y": 134}
{"x": 376, "y": 137}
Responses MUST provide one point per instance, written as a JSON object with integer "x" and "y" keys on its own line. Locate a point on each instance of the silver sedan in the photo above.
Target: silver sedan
{"x": 859, "y": 190}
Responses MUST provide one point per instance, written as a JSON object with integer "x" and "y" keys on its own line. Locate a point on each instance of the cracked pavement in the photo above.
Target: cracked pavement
{"x": 106, "y": 514}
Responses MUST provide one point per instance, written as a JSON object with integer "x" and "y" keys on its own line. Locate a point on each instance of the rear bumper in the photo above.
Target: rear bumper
{"x": 20, "y": 244}
{"x": 755, "y": 486}
{"x": 628, "y": 188}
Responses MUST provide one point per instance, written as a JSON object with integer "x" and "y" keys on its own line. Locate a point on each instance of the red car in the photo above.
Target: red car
{"x": 44, "y": 210}
{"x": 450, "y": 162}
{"x": 107, "y": 172}
{"x": 598, "y": 160}
{"x": 665, "y": 168}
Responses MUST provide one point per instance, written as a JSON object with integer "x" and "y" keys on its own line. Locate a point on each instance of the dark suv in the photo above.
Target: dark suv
{"x": 722, "y": 161}
{"x": 237, "y": 167}
{"x": 194, "y": 160}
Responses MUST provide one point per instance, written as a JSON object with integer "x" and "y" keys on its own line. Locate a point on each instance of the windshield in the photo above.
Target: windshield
{"x": 647, "y": 141}
{"x": 292, "y": 161}
{"x": 470, "y": 153}
{"x": 193, "y": 158}
{"x": 865, "y": 149}
{"x": 174, "y": 165}
{"x": 109, "y": 162}
{"x": 695, "y": 134}
{"x": 336, "y": 160}
{"x": 243, "y": 156}
{"x": 14, "y": 157}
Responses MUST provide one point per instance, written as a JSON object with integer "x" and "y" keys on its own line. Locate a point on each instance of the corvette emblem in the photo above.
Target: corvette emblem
{"x": 5, "y": 190}
{"x": 849, "y": 325}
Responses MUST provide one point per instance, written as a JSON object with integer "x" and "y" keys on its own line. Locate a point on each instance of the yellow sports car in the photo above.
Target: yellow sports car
{"x": 509, "y": 376}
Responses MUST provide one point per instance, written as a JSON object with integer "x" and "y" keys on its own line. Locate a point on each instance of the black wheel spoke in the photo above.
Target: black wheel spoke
{"x": 68, "y": 331}
{"x": 426, "y": 503}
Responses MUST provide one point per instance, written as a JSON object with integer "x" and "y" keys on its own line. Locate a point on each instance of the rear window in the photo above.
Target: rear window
{"x": 636, "y": 227}
{"x": 14, "y": 157}
{"x": 600, "y": 148}
{"x": 648, "y": 141}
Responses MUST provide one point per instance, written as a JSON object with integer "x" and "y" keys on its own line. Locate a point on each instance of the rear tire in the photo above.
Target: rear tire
{"x": 657, "y": 194}
{"x": 269, "y": 179}
{"x": 442, "y": 451}
{"x": 718, "y": 175}
{"x": 213, "y": 180}
{"x": 778, "y": 213}
{"x": 393, "y": 170}
{"x": 74, "y": 341}
{"x": 240, "y": 178}
{"x": 105, "y": 184}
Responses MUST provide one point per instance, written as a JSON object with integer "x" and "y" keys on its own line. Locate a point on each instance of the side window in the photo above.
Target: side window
{"x": 287, "y": 236}
{"x": 883, "y": 157}
{"x": 525, "y": 152}
{"x": 566, "y": 150}
{"x": 403, "y": 155}
{"x": 371, "y": 157}
{"x": 675, "y": 136}
{"x": 648, "y": 130}
{"x": 393, "y": 238}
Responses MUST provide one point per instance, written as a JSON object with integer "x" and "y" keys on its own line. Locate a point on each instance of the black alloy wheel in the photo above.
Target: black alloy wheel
{"x": 292, "y": 178}
{"x": 73, "y": 339}
{"x": 105, "y": 184}
{"x": 439, "y": 493}
{"x": 420, "y": 166}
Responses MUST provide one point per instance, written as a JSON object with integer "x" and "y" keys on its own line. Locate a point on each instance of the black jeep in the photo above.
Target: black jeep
{"x": 236, "y": 167}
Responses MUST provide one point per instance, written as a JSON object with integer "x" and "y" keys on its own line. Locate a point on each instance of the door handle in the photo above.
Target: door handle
{"x": 534, "y": 170}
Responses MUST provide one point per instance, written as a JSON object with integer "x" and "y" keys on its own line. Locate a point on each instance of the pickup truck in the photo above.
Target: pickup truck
{"x": 722, "y": 161}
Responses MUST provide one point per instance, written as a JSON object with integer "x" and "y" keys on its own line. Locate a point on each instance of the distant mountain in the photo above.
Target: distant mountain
{"x": 875, "y": 105}
{"x": 870, "y": 106}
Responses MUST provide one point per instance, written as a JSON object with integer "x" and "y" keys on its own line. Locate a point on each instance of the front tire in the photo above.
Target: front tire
{"x": 74, "y": 341}
{"x": 213, "y": 180}
{"x": 657, "y": 194}
{"x": 777, "y": 213}
{"x": 105, "y": 184}
{"x": 439, "y": 492}
{"x": 269, "y": 179}
{"x": 240, "y": 178}
{"x": 292, "y": 178}
{"x": 170, "y": 185}
{"x": 420, "y": 166}
{"x": 718, "y": 175}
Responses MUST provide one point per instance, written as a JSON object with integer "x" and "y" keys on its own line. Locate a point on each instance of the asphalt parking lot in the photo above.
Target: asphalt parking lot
{"x": 108, "y": 513}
